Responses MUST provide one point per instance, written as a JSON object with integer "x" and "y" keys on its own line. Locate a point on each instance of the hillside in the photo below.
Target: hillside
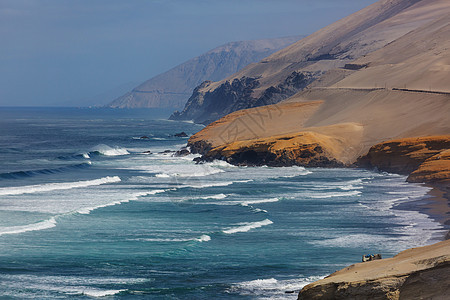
{"x": 418, "y": 273}
{"x": 172, "y": 88}
{"x": 350, "y": 109}
{"x": 290, "y": 70}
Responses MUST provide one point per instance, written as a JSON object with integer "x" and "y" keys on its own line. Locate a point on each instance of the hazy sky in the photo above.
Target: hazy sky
{"x": 66, "y": 52}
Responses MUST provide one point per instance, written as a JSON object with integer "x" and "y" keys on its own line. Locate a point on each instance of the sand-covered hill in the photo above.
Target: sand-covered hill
{"x": 345, "y": 116}
{"x": 290, "y": 70}
{"x": 172, "y": 88}
{"x": 418, "y": 273}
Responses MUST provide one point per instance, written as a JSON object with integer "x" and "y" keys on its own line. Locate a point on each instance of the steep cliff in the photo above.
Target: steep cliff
{"x": 290, "y": 70}
{"x": 172, "y": 88}
{"x": 425, "y": 158}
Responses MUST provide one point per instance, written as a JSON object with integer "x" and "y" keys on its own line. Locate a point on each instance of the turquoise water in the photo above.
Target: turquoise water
{"x": 85, "y": 212}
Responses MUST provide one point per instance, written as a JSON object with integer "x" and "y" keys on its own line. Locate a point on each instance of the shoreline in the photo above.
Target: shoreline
{"x": 437, "y": 207}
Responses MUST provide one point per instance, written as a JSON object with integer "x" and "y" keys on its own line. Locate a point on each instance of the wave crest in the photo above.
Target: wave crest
{"x": 247, "y": 226}
{"x": 48, "y": 187}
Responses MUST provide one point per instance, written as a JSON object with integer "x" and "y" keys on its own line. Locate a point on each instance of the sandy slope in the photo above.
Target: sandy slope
{"x": 418, "y": 273}
{"x": 376, "y": 115}
{"x": 349, "y": 96}
{"x": 345, "y": 40}
{"x": 385, "y": 24}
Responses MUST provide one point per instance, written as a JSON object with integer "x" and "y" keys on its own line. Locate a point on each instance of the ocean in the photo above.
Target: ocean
{"x": 94, "y": 204}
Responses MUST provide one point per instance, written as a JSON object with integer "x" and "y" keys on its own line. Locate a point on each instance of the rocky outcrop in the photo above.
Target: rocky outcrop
{"x": 418, "y": 273}
{"x": 172, "y": 88}
{"x": 203, "y": 107}
{"x": 302, "y": 149}
{"x": 424, "y": 159}
{"x": 435, "y": 169}
{"x": 206, "y": 107}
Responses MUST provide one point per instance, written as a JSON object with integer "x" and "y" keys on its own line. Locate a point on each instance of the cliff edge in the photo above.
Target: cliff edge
{"x": 417, "y": 273}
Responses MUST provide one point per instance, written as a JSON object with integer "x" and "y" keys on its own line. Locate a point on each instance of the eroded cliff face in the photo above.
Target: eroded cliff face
{"x": 302, "y": 149}
{"x": 206, "y": 106}
{"x": 424, "y": 159}
{"x": 418, "y": 273}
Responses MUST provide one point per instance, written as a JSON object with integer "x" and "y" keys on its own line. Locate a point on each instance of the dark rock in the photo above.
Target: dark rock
{"x": 181, "y": 134}
{"x": 168, "y": 151}
{"x": 147, "y": 152}
{"x": 182, "y": 152}
{"x": 207, "y": 107}
{"x": 199, "y": 147}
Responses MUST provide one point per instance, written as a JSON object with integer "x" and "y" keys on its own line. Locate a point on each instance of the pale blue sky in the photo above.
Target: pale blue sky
{"x": 65, "y": 52}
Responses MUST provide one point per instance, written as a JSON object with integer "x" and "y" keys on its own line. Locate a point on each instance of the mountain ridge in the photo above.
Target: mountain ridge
{"x": 172, "y": 88}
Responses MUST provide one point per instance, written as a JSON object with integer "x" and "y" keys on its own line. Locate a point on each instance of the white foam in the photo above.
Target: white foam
{"x": 352, "y": 241}
{"x": 210, "y": 184}
{"x": 30, "y": 189}
{"x": 204, "y": 238}
{"x": 100, "y": 293}
{"x": 244, "y": 227}
{"x": 162, "y": 175}
{"x": 218, "y": 197}
{"x": 109, "y": 151}
{"x": 85, "y": 155}
{"x": 197, "y": 173}
{"x": 249, "y": 202}
{"x": 133, "y": 197}
{"x": 331, "y": 195}
{"x": 47, "y": 224}
{"x": 272, "y": 288}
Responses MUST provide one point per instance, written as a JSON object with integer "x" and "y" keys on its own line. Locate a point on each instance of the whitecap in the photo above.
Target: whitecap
{"x": 100, "y": 293}
{"x": 331, "y": 195}
{"x": 204, "y": 238}
{"x": 218, "y": 197}
{"x": 244, "y": 227}
{"x": 109, "y": 151}
{"x": 133, "y": 197}
{"x": 48, "y": 187}
{"x": 162, "y": 175}
{"x": 271, "y": 288}
{"x": 249, "y": 202}
{"x": 47, "y": 224}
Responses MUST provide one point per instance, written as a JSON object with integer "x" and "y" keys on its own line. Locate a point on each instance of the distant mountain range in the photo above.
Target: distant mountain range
{"x": 173, "y": 88}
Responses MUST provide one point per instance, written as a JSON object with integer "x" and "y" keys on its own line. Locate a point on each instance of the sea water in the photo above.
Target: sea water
{"x": 87, "y": 211}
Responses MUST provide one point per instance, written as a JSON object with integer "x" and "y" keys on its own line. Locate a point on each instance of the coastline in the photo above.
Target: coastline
{"x": 437, "y": 206}
{"x": 425, "y": 161}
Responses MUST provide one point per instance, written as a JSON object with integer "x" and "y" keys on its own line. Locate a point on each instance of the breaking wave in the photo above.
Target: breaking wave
{"x": 244, "y": 227}
{"x": 48, "y": 187}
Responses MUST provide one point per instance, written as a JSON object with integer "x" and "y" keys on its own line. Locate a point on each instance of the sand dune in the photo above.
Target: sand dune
{"x": 418, "y": 273}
